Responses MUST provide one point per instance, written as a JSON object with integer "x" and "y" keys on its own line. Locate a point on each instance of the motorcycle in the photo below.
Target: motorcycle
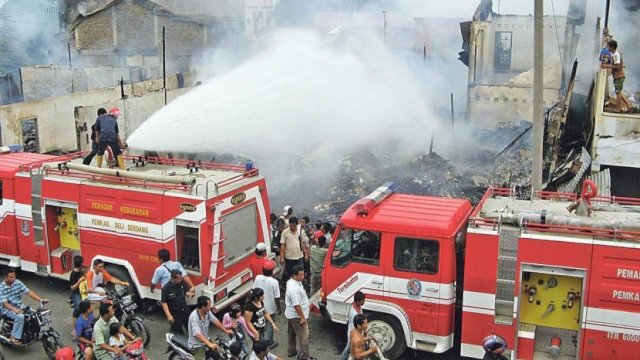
{"x": 179, "y": 348}
{"x": 124, "y": 306}
{"x": 135, "y": 351}
{"x": 37, "y": 326}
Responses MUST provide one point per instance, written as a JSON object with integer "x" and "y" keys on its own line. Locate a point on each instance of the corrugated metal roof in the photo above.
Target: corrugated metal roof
{"x": 413, "y": 214}
{"x": 572, "y": 185}
{"x": 602, "y": 180}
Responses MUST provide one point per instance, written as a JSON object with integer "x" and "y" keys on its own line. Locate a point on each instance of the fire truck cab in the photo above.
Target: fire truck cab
{"x": 525, "y": 267}
{"x": 208, "y": 215}
{"x": 400, "y": 250}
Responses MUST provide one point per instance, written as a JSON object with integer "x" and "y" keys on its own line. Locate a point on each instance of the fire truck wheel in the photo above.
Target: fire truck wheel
{"x": 388, "y": 333}
{"x": 122, "y": 274}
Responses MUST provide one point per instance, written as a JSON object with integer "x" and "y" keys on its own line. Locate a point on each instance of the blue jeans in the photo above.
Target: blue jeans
{"x": 242, "y": 340}
{"x": 76, "y": 299}
{"x": 267, "y": 334}
{"x": 18, "y": 324}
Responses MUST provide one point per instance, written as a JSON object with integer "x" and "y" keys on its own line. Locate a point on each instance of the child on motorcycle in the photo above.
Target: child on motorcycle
{"x": 233, "y": 320}
{"x": 117, "y": 339}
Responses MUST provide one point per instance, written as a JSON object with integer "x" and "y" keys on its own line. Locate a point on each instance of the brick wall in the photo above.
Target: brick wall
{"x": 95, "y": 32}
{"x": 135, "y": 29}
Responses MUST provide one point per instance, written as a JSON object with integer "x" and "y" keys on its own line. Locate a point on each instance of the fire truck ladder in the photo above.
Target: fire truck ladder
{"x": 506, "y": 282}
{"x": 36, "y": 204}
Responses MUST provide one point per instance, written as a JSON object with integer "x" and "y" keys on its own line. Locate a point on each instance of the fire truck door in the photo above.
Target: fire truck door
{"x": 355, "y": 265}
{"x": 413, "y": 280}
{"x": 68, "y": 228}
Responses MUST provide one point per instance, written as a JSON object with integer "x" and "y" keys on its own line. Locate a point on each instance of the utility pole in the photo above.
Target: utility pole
{"x": 164, "y": 65}
{"x": 538, "y": 126}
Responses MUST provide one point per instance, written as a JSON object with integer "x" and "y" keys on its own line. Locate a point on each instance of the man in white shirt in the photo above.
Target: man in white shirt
{"x": 297, "y": 314}
{"x": 271, "y": 289}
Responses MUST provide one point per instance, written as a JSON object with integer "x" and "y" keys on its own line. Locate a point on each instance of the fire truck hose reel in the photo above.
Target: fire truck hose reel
{"x": 181, "y": 180}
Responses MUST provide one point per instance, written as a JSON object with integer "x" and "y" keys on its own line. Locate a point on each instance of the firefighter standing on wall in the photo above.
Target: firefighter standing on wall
{"x": 108, "y": 134}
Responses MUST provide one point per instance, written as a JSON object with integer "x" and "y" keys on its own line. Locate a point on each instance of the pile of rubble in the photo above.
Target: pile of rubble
{"x": 423, "y": 173}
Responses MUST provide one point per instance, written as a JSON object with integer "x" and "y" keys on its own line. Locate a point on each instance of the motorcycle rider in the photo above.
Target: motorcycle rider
{"x": 199, "y": 320}
{"x": 494, "y": 347}
{"x": 11, "y": 291}
{"x": 101, "y": 333}
{"x": 84, "y": 329}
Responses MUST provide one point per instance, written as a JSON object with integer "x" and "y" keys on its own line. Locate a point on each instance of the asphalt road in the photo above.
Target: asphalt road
{"x": 323, "y": 332}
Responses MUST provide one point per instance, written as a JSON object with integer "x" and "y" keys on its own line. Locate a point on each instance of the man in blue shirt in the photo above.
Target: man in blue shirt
{"x": 108, "y": 134}
{"x": 11, "y": 291}
{"x": 162, "y": 275}
{"x": 84, "y": 329}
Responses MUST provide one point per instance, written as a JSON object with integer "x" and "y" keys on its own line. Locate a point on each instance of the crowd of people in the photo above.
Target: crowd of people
{"x": 300, "y": 250}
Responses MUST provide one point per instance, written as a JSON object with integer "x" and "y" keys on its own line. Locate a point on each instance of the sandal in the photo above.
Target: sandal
{"x": 15, "y": 342}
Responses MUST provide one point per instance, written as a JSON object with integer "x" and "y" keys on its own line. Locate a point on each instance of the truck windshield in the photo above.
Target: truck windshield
{"x": 360, "y": 246}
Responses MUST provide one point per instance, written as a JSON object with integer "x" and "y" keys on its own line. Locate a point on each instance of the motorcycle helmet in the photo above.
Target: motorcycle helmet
{"x": 494, "y": 344}
{"x": 115, "y": 112}
{"x": 65, "y": 353}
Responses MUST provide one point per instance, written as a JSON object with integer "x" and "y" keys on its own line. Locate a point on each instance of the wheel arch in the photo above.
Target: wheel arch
{"x": 126, "y": 266}
{"x": 386, "y": 308}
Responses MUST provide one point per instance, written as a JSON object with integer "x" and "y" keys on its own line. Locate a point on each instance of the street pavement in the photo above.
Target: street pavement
{"x": 322, "y": 338}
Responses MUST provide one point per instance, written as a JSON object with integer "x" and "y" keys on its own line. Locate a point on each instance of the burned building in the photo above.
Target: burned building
{"x": 500, "y": 59}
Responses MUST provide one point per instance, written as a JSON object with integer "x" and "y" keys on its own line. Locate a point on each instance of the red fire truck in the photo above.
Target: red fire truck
{"x": 208, "y": 215}
{"x": 550, "y": 282}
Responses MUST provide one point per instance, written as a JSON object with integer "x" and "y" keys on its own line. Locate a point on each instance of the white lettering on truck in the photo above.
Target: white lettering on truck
{"x": 626, "y": 295}
{"x": 628, "y": 274}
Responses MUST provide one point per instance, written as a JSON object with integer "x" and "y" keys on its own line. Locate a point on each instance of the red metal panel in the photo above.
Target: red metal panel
{"x": 481, "y": 263}
{"x": 526, "y": 348}
{"x": 60, "y": 190}
{"x": 8, "y": 240}
{"x": 611, "y": 346}
{"x": 616, "y": 278}
{"x": 554, "y": 253}
{"x": 475, "y": 327}
{"x": 122, "y": 204}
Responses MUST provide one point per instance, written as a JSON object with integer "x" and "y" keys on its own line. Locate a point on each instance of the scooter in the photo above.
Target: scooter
{"x": 37, "y": 326}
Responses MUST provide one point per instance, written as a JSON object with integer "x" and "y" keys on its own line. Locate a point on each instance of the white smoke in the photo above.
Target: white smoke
{"x": 298, "y": 97}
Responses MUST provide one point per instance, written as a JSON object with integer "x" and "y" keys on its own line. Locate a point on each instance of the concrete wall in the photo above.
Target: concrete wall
{"x": 57, "y": 120}
{"x": 490, "y": 106}
{"x": 41, "y": 82}
{"x": 483, "y": 38}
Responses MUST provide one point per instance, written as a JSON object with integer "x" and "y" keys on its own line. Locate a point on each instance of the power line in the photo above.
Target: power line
{"x": 553, "y": 9}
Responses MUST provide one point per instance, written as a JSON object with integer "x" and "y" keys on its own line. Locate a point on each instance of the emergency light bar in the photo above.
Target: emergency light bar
{"x": 363, "y": 206}
{"x": 10, "y": 149}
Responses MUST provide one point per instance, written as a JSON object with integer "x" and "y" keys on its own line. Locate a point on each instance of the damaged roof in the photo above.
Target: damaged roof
{"x": 201, "y": 11}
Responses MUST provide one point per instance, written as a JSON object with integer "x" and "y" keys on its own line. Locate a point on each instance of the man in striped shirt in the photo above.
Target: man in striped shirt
{"x": 11, "y": 291}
